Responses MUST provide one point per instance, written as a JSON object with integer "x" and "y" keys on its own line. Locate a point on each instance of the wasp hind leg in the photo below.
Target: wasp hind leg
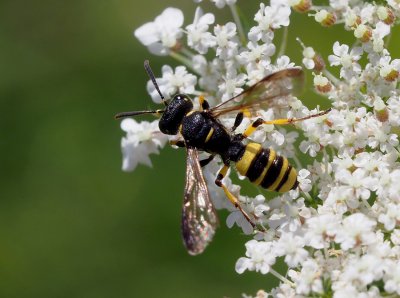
{"x": 252, "y": 128}
{"x": 231, "y": 197}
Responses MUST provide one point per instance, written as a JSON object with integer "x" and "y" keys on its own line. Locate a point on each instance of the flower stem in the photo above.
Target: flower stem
{"x": 331, "y": 77}
{"x": 182, "y": 59}
{"x": 187, "y": 52}
{"x": 281, "y": 277}
{"x": 282, "y": 48}
{"x": 239, "y": 26}
{"x": 298, "y": 163}
{"x": 388, "y": 40}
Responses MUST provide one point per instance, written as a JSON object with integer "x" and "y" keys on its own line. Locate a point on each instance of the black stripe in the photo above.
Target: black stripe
{"x": 258, "y": 122}
{"x": 296, "y": 184}
{"x": 273, "y": 172}
{"x": 284, "y": 178}
{"x": 258, "y": 164}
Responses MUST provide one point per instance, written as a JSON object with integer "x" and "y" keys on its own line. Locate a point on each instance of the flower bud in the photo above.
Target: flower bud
{"x": 389, "y": 73}
{"x": 300, "y": 5}
{"x": 326, "y": 18}
{"x": 322, "y": 84}
{"x": 352, "y": 20}
{"x": 381, "y": 112}
{"x": 363, "y": 33}
{"x": 319, "y": 63}
{"x": 385, "y": 14}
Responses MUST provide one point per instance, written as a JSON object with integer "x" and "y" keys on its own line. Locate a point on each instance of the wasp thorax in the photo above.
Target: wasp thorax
{"x": 172, "y": 117}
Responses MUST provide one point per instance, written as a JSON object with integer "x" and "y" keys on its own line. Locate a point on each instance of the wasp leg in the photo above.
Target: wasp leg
{"x": 203, "y": 103}
{"x": 252, "y": 128}
{"x": 238, "y": 121}
{"x": 231, "y": 197}
{"x": 206, "y": 161}
{"x": 179, "y": 143}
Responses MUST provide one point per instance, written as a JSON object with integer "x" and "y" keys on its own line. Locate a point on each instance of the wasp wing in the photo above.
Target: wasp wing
{"x": 199, "y": 218}
{"x": 273, "y": 90}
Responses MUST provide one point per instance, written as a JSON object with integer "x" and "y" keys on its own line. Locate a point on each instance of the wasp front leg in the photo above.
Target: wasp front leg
{"x": 231, "y": 197}
{"x": 179, "y": 143}
{"x": 203, "y": 103}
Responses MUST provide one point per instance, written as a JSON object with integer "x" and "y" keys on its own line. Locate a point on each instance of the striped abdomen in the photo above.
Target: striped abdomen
{"x": 265, "y": 168}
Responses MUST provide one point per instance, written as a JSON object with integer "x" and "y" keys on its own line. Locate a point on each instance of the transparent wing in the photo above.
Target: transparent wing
{"x": 274, "y": 90}
{"x": 199, "y": 219}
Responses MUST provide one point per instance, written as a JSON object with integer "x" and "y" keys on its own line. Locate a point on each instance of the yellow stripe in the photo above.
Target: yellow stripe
{"x": 290, "y": 181}
{"x": 223, "y": 171}
{"x": 271, "y": 158}
{"x": 190, "y": 113}
{"x": 281, "y": 174}
{"x": 250, "y": 152}
{"x": 210, "y": 133}
{"x": 249, "y": 131}
{"x": 180, "y": 128}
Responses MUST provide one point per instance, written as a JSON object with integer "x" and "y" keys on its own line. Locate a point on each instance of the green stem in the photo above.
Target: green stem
{"x": 331, "y": 77}
{"x": 182, "y": 59}
{"x": 282, "y": 48}
{"x": 239, "y": 26}
{"x": 187, "y": 52}
{"x": 298, "y": 163}
{"x": 388, "y": 41}
{"x": 281, "y": 277}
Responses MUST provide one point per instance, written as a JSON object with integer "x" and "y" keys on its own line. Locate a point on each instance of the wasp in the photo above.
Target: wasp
{"x": 202, "y": 131}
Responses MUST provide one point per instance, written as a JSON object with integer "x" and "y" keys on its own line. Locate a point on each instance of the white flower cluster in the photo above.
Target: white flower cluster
{"x": 339, "y": 233}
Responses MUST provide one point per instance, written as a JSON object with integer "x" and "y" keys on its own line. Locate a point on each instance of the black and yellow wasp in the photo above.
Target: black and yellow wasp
{"x": 200, "y": 130}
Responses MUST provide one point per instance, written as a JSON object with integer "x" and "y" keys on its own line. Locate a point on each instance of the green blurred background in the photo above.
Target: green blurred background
{"x": 72, "y": 224}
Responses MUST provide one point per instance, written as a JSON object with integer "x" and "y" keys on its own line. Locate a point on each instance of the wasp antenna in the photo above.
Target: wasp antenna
{"x": 153, "y": 79}
{"x": 135, "y": 113}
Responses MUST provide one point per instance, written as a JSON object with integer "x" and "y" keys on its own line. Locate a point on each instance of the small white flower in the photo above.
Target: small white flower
{"x": 304, "y": 183}
{"x": 259, "y": 257}
{"x": 162, "y": 34}
{"x": 392, "y": 278}
{"x": 142, "y": 139}
{"x": 362, "y": 271}
{"x": 198, "y": 37}
{"x": 359, "y": 184}
{"x": 391, "y": 217}
{"x": 269, "y": 18}
{"x": 347, "y": 60}
{"x": 357, "y": 229}
{"x": 172, "y": 83}
{"x": 227, "y": 40}
{"x": 320, "y": 229}
{"x": 257, "y": 53}
{"x": 308, "y": 279}
{"x": 231, "y": 85}
{"x": 292, "y": 247}
{"x": 283, "y": 62}
{"x": 389, "y": 70}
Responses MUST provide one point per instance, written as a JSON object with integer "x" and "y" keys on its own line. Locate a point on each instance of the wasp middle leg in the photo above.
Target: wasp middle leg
{"x": 230, "y": 196}
{"x": 207, "y": 160}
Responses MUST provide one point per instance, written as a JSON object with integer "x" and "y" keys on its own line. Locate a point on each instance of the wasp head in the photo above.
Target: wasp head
{"x": 173, "y": 114}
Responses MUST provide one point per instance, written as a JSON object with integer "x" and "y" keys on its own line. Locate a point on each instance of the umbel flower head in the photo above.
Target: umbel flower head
{"x": 339, "y": 231}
